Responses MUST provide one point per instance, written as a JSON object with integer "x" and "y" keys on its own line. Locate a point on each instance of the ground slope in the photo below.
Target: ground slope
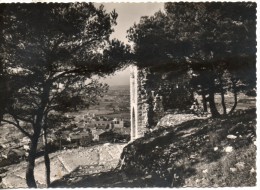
{"x": 196, "y": 153}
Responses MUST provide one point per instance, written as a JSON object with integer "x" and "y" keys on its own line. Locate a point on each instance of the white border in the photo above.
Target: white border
{"x": 118, "y": 1}
{"x": 155, "y": 1}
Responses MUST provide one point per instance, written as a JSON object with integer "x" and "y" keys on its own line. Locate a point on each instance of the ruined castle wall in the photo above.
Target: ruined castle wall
{"x": 143, "y": 104}
{"x": 151, "y": 95}
{"x": 133, "y": 102}
{"x": 139, "y": 103}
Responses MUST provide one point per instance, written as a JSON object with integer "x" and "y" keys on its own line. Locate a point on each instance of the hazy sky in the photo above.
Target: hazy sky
{"x": 128, "y": 14}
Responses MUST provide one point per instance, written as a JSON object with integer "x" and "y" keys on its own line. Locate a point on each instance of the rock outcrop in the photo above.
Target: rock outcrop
{"x": 196, "y": 153}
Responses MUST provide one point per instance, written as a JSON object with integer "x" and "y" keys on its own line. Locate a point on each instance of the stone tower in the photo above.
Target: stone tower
{"x": 133, "y": 102}
{"x": 140, "y": 105}
{"x": 151, "y": 93}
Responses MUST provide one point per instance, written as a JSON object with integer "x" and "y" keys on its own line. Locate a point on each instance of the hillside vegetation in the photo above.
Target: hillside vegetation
{"x": 197, "y": 153}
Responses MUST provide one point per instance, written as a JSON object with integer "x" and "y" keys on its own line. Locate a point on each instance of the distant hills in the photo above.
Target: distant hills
{"x": 119, "y": 87}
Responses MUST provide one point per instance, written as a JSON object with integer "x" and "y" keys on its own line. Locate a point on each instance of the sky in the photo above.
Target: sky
{"x": 128, "y": 14}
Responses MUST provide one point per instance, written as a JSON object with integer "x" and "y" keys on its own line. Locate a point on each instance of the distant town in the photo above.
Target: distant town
{"x": 107, "y": 122}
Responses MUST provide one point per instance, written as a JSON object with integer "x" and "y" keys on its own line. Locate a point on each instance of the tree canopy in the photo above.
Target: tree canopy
{"x": 196, "y": 33}
{"x": 49, "y": 53}
{"x": 215, "y": 38}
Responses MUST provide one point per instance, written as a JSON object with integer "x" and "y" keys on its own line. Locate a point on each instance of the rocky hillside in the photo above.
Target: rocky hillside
{"x": 197, "y": 153}
{"x": 211, "y": 152}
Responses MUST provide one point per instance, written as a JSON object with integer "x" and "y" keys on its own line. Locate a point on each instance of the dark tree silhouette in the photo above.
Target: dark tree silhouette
{"x": 217, "y": 37}
{"x": 50, "y": 53}
{"x": 3, "y": 85}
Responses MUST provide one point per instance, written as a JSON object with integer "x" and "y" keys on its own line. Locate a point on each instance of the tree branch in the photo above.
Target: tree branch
{"x": 78, "y": 47}
{"x": 19, "y": 118}
{"x": 68, "y": 72}
{"x": 19, "y": 127}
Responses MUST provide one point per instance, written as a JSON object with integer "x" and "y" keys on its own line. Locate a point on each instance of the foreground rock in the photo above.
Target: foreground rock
{"x": 197, "y": 153}
{"x": 176, "y": 119}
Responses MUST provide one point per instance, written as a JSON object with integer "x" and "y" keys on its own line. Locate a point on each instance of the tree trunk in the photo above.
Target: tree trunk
{"x": 1, "y": 112}
{"x": 212, "y": 105}
{"x": 223, "y": 103}
{"x": 222, "y": 96}
{"x": 47, "y": 159}
{"x": 204, "y": 102}
{"x": 235, "y": 97}
{"x": 30, "y": 180}
{"x": 2, "y": 93}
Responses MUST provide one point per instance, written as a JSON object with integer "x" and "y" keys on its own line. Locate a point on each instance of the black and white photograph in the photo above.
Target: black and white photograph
{"x": 128, "y": 95}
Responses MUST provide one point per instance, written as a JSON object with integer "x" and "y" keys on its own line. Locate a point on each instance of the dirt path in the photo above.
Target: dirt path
{"x": 99, "y": 158}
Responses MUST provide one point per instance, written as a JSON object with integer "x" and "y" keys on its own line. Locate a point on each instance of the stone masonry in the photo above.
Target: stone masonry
{"x": 142, "y": 96}
{"x": 148, "y": 92}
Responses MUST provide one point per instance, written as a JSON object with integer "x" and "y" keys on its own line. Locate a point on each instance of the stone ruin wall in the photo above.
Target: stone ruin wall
{"x": 142, "y": 95}
{"x": 137, "y": 114}
{"x": 146, "y": 100}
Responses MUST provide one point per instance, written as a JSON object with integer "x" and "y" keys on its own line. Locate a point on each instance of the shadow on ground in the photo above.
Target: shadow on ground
{"x": 197, "y": 153}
